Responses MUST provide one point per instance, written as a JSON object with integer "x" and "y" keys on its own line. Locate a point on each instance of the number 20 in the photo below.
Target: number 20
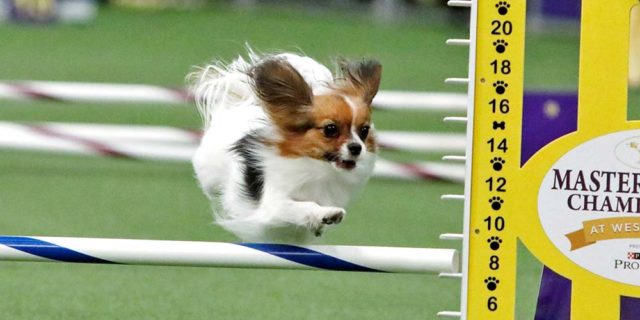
{"x": 500, "y": 27}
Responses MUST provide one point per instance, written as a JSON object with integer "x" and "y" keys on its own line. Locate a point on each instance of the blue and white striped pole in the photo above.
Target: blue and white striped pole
{"x": 227, "y": 255}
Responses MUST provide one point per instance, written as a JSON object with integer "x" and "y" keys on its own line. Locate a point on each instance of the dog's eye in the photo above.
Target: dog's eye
{"x": 364, "y": 132}
{"x": 331, "y": 131}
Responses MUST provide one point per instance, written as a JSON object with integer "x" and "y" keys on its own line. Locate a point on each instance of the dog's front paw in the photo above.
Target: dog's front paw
{"x": 334, "y": 217}
{"x": 327, "y": 216}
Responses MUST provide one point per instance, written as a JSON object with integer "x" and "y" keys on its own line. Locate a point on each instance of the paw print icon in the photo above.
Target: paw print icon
{"x": 494, "y": 243}
{"x": 500, "y": 45}
{"x": 496, "y": 203}
{"x": 501, "y": 86}
{"x": 503, "y": 7}
{"x": 497, "y": 163}
{"x": 492, "y": 283}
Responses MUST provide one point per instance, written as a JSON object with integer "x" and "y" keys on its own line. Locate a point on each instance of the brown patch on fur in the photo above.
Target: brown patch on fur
{"x": 286, "y": 96}
{"x": 300, "y": 117}
{"x": 312, "y": 143}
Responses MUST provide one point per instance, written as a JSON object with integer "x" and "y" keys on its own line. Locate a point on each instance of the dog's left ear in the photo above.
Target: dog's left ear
{"x": 363, "y": 77}
{"x": 286, "y": 95}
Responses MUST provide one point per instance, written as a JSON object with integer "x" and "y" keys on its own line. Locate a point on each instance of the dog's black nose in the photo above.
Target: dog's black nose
{"x": 354, "y": 148}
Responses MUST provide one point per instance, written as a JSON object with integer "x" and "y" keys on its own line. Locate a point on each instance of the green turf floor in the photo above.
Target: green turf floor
{"x": 59, "y": 195}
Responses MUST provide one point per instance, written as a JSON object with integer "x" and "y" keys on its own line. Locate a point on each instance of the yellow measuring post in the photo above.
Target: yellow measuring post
{"x": 499, "y": 64}
{"x": 574, "y": 204}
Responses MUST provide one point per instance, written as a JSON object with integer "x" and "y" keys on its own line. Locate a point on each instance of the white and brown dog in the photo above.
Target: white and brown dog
{"x": 286, "y": 145}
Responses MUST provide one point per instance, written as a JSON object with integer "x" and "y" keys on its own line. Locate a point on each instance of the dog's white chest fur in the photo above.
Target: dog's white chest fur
{"x": 305, "y": 179}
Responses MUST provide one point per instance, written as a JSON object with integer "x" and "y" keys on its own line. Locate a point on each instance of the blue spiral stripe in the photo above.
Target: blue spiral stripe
{"x": 292, "y": 253}
{"x": 49, "y": 250}
{"x": 308, "y": 257}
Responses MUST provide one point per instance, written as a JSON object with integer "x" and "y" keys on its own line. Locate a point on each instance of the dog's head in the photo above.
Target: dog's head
{"x": 334, "y": 126}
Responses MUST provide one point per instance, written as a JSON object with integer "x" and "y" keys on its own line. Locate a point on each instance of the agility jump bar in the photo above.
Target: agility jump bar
{"x": 393, "y": 140}
{"x": 227, "y": 255}
{"x": 143, "y": 93}
{"x": 168, "y": 144}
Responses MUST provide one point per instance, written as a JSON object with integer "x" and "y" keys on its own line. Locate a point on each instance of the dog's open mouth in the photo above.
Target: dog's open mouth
{"x": 346, "y": 164}
{"x": 340, "y": 163}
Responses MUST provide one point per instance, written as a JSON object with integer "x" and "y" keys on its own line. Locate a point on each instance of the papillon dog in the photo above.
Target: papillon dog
{"x": 286, "y": 144}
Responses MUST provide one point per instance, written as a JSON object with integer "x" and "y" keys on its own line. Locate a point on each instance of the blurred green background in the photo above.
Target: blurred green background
{"x": 61, "y": 195}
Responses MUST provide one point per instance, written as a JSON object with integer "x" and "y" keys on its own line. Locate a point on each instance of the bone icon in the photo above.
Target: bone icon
{"x": 499, "y": 125}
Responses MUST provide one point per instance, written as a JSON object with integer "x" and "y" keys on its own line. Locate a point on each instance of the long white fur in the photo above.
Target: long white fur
{"x": 298, "y": 193}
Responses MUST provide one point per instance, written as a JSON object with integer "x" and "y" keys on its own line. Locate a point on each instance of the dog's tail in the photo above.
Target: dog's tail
{"x": 220, "y": 85}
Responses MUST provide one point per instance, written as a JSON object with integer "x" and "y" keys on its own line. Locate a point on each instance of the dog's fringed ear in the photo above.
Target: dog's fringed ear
{"x": 362, "y": 76}
{"x": 286, "y": 95}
